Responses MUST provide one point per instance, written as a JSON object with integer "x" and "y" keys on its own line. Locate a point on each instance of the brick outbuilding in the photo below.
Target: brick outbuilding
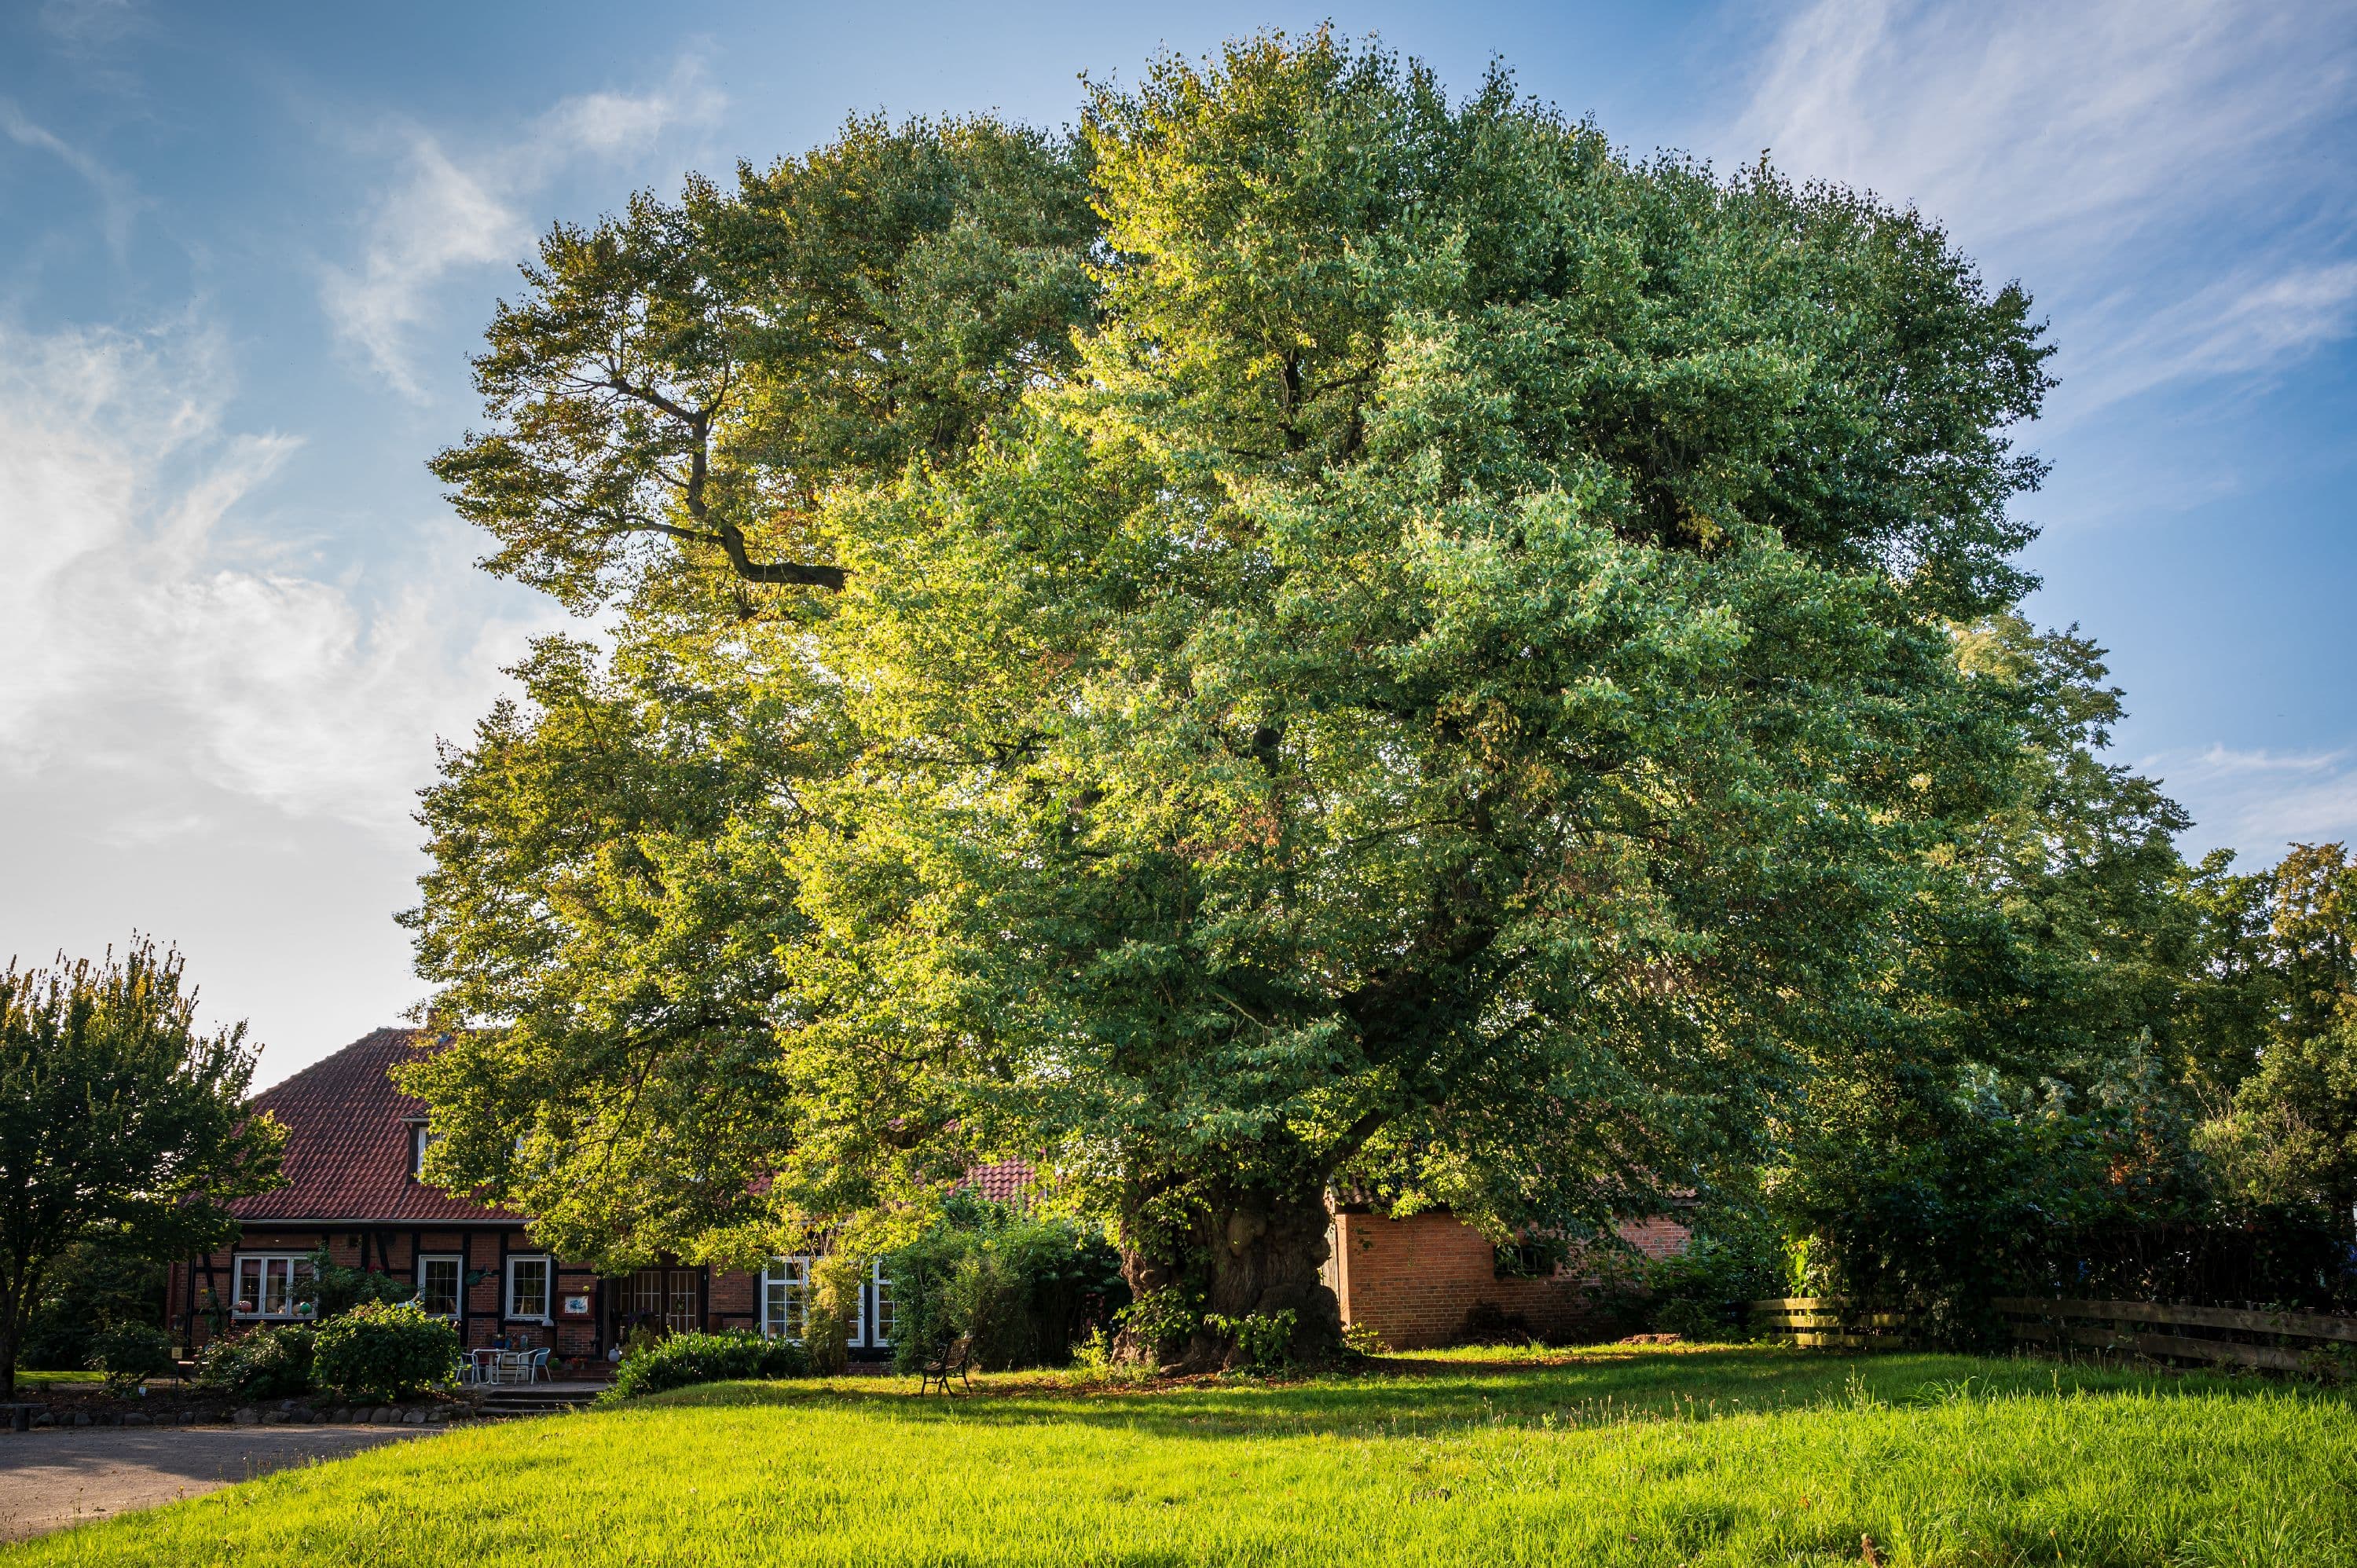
{"x": 1430, "y": 1279}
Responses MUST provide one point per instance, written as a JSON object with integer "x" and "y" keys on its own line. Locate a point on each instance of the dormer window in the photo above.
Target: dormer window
{"x": 421, "y": 1138}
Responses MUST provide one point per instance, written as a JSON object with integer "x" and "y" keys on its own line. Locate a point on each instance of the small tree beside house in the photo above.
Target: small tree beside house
{"x": 120, "y": 1122}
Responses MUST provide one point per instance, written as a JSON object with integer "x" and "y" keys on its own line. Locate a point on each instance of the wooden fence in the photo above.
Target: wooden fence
{"x": 2282, "y": 1341}
{"x": 1832, "y": 1323}
{"x": 2285, "y": 1341}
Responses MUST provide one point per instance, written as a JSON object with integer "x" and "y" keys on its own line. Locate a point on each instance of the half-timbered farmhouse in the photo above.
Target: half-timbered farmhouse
{"x": 354, "y": 1149}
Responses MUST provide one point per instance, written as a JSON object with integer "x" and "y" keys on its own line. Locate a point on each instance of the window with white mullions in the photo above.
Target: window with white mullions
{"x": 528, "y": 1284}
{"x": 785, "y": 1304}
{"x": 785, "y": 1299}
{"x": 270, "y": 1285}
{"x": 438, "y": 1284}
{"x": 879, "y": 1313}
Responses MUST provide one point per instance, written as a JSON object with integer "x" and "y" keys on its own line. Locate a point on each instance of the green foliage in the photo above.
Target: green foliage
{"x": 129, "y": 1353}
{"x": 1025, "y": 1289}
{"x": 1314, "y": 632}
{"x": 1364, "y": 1340}
{"x": 2290, "y": 1135}
{"x": 1160, "y": 1318}
{"x": 335, "y": 1289}
{"x": 120, "y": 1124}
{"x": 1263, "y": 1341}
{"x": 261, "y": 1363}
{"x": 677, "y": 1361}
{"x": 90, "y": 1287}
{"x": 1734, "y": 1256}
{"x": 376, "y": 1351}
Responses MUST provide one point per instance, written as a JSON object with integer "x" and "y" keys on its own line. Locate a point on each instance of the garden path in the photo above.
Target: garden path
{"x": 51, "y": 1477}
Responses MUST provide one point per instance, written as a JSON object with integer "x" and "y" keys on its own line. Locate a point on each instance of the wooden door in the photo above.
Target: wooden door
{"x": 671, "y": 1297}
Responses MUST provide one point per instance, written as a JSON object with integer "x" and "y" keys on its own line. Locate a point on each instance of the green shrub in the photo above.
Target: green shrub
{"x": 1026, "y": 1290}
{"x": 379, "y": 1352}
{"x": 1733, "y": 1257}
{"x": 130, "y": 1352}
{"x": 335, "y": 1289}
{"x": 1264, "y": 1340}
{"x": 263, "y": 1363}
{"x": 90, "y": 1289}
{"x": 679, "y": 1359}
{"x": 1160, "y": 1320}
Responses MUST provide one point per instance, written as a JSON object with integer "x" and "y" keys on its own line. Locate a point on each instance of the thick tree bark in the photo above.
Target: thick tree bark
{"x": 1251, "y": 1252}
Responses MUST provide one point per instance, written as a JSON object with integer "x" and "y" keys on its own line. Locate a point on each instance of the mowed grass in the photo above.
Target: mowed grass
{"x": 1640, "y": 1456}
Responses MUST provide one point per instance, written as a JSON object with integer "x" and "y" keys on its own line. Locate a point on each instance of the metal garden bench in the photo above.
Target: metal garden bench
{"x": 949, "y": 1361}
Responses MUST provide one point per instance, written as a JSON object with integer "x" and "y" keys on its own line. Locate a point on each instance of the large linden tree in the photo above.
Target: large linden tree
{"x": 1305, "y": 636}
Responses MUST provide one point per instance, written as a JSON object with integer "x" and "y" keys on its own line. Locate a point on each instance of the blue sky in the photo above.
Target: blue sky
{"x": 245, "y": 251}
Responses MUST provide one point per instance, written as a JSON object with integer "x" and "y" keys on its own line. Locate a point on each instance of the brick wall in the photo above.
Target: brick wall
{"x": 1421, "y": 1281}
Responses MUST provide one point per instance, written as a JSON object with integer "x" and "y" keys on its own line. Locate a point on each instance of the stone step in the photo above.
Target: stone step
{"x": 535, "y": 1402}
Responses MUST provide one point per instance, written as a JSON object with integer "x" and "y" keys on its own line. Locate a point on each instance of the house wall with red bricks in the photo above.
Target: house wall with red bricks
{"x": 1431, "y": 1280}
{"x": 203, "y": 1290}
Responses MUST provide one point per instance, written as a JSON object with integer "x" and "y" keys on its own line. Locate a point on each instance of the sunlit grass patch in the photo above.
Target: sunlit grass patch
{"x": 1627, "y": 1456}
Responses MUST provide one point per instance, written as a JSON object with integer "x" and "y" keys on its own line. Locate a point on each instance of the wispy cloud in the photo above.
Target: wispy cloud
{"x": 145, "y": 639}
{"x": 2258, "y": 801}
{"x": 89, "y": 24}
{"x": 2103, "y": 148}
{"x": 455, "y": 211}
{"x": 118, "y": 199}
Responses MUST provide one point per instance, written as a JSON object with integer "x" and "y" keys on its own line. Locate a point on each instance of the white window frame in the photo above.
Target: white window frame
{"x": 783, "y": 1277}
{"x": 874, "y": 1297}
{"x": 288, "y": 1263}
{"x": 785, "y": 1297}
{"x": 547, "y": 1288}
{"x": 459, "y": 1289}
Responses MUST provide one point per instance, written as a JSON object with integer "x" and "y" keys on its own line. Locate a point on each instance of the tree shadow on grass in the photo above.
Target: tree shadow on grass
{"x": 1408, "y": 1397}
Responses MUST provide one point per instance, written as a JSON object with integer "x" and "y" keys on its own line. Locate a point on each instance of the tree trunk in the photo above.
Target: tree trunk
{"x": 1252, "y": 1253}
{"x": 13, "y": 1324}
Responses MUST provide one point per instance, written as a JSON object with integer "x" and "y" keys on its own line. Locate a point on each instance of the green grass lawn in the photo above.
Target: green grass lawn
{"x": 27, "y": 1380}
{"x": 1656, "y": 1456}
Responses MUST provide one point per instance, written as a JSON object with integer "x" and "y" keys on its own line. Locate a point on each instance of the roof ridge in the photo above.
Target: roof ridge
{"x": 332, "y": 1058}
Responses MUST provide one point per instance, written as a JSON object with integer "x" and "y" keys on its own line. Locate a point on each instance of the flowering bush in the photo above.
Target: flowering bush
{"x": 381, "y": 1351}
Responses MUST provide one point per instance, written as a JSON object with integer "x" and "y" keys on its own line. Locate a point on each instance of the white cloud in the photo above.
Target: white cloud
{"x": 2102, "y": 150}
{"x": 144, "y": 639}
{"x": 456, "y": 210}
{"x": 441, "y": 218}
{"x": 2258, "y": 802}
{"x": 2244, "y": 324}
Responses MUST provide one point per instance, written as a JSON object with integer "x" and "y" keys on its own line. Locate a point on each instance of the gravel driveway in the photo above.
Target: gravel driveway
{"x": 57, "y": 1476}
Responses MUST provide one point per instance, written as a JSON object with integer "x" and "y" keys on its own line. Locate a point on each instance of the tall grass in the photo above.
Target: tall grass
{"x": 1653, "y": 1458}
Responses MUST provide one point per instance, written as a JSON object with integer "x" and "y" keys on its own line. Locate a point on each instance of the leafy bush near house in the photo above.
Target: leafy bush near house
{"x": 263, "y": 1363}
{"x": 1025, "y": 1289}
{"x": 679, "y": 1359}
{"x": 1732, "y": 1259}
{"x": 129, "y": 1352}
{"x": 381, "y": 1351}
{"x": 336, "y": 1290}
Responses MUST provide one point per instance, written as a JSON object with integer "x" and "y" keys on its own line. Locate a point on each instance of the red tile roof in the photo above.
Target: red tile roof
{"x": 348, "y": 1150}
{"x": 1004, "y": 1181}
